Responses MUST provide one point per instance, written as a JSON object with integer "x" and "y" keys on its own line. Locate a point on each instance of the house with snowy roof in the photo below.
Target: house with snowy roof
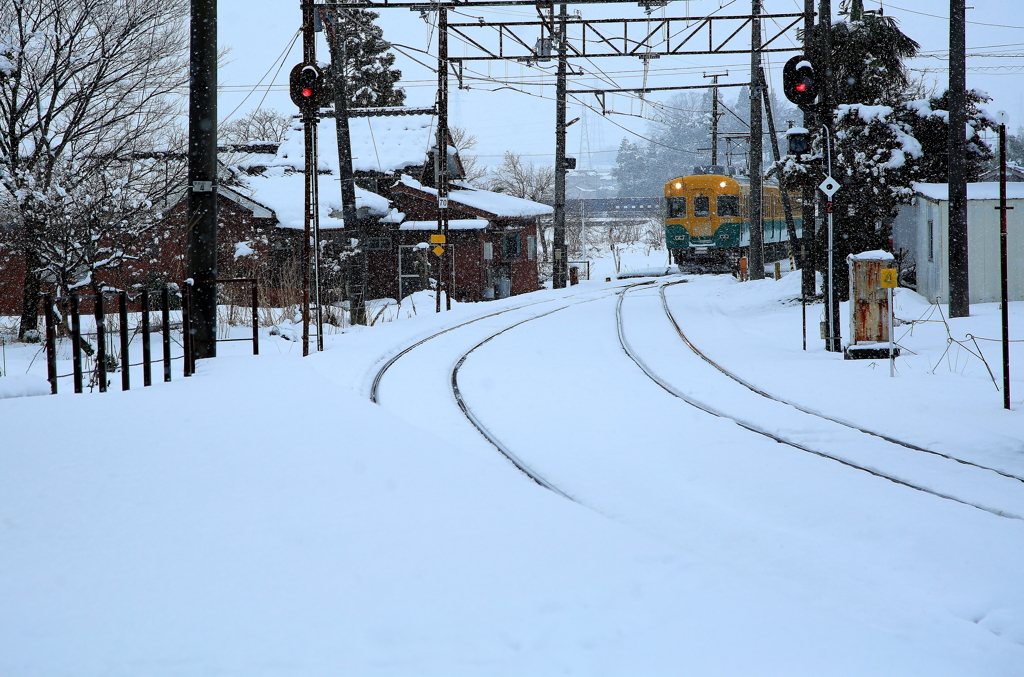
{"x": 921, "y": 240}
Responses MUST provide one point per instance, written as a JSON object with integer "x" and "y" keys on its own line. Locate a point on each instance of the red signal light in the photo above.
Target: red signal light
{"x": 307, "y": 92}
{"x": 802, "y": 87}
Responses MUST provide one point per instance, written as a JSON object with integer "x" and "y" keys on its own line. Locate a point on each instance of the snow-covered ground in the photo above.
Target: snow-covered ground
{"x": 264, "y": 517}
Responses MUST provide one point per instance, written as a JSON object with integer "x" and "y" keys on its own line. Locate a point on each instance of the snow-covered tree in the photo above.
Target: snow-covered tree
{"x": 528, "y": 181}
{"x": 929, "y": 121}
{"x": 83, "y": 85}
{"x": 370, "y": 77}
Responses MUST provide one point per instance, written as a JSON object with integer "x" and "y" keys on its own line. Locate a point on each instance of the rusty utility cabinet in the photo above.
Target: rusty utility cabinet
{"x": 869, "y": 307}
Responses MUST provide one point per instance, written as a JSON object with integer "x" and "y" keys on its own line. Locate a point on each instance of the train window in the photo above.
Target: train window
{"x": 677, "y": 207}
{"x": 728, "y": 205}
{"x": 702, "y": 206}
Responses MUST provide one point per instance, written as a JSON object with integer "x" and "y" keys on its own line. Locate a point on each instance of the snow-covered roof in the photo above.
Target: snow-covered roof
{"x": 283, "y": 191}
{"x": 875, "y": 255}
{"x": 453, "y": 224}
{"x": 498, "y": 204}
{"x": 988, "y": 190}
{"x": 383, "y": 144}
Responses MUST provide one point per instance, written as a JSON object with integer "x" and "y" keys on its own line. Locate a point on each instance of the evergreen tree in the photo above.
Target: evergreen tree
{"x": 928, "y": 120}
{"x": 369, "y": 77}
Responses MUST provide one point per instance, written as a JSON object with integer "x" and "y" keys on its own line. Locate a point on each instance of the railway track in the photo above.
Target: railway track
{"x": 464, "y": 407}
{"x": 847, "y": 424}
{"x": 759, "y": 429}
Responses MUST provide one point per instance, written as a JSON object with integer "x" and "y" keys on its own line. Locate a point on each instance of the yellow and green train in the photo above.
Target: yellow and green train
{"x": 707, "y": 220}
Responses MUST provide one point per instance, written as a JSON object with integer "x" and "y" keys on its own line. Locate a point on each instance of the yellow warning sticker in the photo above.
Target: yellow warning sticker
{"x": 437, "y": 238}
{"x": 889, "y": 278}
{"x": 438, "y": 250}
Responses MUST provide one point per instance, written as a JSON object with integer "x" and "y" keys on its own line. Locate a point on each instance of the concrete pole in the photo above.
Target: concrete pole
{"x": 201, "y": 248}
{"x": 560, "y": 265}
{"x": 756, "y": 255}
{"x": 959, "y": 287}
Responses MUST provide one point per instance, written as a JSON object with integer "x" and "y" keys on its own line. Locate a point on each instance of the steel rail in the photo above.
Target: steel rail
{"x": 671, "y": 390}
{"x": 765, "y": 394}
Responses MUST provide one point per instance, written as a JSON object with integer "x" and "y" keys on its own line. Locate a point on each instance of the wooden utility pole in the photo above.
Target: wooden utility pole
{"x": 809, "y": 212}
{"x": 959, "y": 286}
{"x": 756, "y": 254}
{"x": 201, "y": 249}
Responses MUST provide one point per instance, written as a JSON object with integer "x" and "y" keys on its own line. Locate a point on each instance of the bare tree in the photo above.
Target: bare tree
{"x": 464, "y": 141}
{"x": 83, "y": 86}
{"x": 260, "y": 125}
{"x": 528, "y": 181}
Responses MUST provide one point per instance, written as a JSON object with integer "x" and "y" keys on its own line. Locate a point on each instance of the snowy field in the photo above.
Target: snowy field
{"x": 264, "y": 517}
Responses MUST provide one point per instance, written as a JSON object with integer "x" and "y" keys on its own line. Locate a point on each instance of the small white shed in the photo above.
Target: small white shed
{"x": 921, "y": 232}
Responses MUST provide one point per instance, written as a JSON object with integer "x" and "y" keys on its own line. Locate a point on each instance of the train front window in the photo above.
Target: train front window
{"x": 728, "y": 205}
{"x": 702, "y": 206}
{"x": 677, "y": 207}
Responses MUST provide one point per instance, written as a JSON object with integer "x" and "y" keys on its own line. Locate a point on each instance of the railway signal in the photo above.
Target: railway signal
{"x": 306, "y": 87}
{"x": 798, "y": 81}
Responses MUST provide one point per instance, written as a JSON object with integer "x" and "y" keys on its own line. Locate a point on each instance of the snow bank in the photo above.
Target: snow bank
{"x": 23, "y": 385}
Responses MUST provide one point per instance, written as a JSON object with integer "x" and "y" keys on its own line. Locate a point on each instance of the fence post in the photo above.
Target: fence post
{"x": 76, "y": 341}
{"x": 101, "y": 340}
{"x": 255, "y": 319}
{"x": 147, "y": 355}
{"x": 51, "y": 345}
{"x": 186, "y": 328}
{"x": 166, "y": 298}
{"x": 125, "y": 338}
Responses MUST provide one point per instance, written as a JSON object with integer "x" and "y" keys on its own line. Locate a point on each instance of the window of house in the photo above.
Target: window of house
{"x": 676, "y": 207}
{"x": 510, "y": 247}
{"x": 702, "y": 206}
{"x": 378, "y": 243}
{"x": 728, "y": 205}
{"x": 531, "y": 248}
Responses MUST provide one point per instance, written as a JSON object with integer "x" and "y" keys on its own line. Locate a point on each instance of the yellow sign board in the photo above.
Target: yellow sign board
{"x": 437, "y": 238}
{"x": 889, "y": 278}
{"x": 438, "y": 250}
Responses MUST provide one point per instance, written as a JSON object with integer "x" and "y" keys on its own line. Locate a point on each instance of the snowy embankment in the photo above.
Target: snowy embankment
{"x": 263, "y": 517}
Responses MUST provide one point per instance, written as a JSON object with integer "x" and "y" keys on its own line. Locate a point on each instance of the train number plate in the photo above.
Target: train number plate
{"x": 700, "y": 250}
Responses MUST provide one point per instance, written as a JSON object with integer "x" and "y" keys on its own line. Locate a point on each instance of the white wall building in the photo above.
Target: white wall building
{"x": 921, "y": 231}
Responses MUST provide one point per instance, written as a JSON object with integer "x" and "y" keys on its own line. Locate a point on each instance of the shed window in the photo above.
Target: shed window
{"x": 728, "y": 205}
{"x": 676, "y": 207}
{"x": 531, "y": 248}
{"x": 510, "y": 247}
{"x": 931, "y": 240}
{"x": 702, "y": 206}
{"x": 378, "y": 244}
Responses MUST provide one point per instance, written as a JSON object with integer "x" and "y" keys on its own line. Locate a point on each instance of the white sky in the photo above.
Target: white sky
{"x": 525, "y": 122}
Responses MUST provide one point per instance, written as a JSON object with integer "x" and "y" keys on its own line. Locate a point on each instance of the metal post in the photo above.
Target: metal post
{"x": 560, "y": 264}
{"x": 1004, "y": 267}
{"x": 165, "y": 297}
{"x": 147, "y": 355}
{"x": 755, "y": 266}
{"x": 201, "y": 257}
{"x": 892, "y": 358}
{"x": 76, "y": 341}
{"x": 51, "y": 344}
{"x": 256, "y": 320}
{"x": 809, "y": 212}
{"x": 186, "y": 331}
{"x": 101, "y": 340}
{"x": 959, "y": 283}
{"x": 122, "y": 301}
{"x": 714, "y": 118}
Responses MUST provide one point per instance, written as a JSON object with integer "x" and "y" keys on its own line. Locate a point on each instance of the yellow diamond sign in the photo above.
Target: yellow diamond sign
{"x": 438, "y": 250}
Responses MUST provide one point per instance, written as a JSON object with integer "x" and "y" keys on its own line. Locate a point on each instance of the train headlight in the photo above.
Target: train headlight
{"x": 679, "y": 186}
{"x": 722, "y": 184}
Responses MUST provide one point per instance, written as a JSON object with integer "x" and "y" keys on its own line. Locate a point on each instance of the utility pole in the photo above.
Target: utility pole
{"x": 560, "y": 265}
{"x": 809, "y": 198}
{"x": 201, "y": 249}
{"x": 309, "y": 120}
{"x": 337, "y": 33}
{"x": 444, "y": 263}
{"x": 959, "y": 284}
{"x": 787, "y": 208}
{"x": 756, "y": 255}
